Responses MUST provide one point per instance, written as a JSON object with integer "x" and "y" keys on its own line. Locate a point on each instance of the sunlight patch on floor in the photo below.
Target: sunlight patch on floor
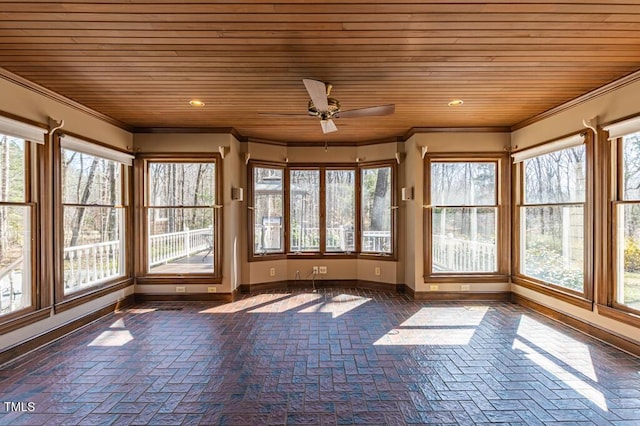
{"x": 447, "y": 316}
{"x": 427, "y": 337}
{"x": 570, "y": 379}
{"x": 244, "y": 304}
{"x": 564, "y": 348}
{"x": 287, "y": 304}
{"x": 112, "y": 338}
{"x": 337, "y": 305}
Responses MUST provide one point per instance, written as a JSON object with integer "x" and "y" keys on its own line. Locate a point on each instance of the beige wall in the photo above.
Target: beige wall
{"x": 439, "y": 142}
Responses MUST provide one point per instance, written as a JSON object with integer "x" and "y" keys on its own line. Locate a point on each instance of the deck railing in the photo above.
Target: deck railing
{"x": 342, "y": 239}
{"x": 11, "y": 286}
{"x": 90, "y": 263}
{"x": 458, "y": 255}
{"x": 164, "y": 248}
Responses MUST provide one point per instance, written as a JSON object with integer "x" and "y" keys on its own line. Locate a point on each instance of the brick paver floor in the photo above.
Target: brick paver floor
{"x": 332, "y": 357}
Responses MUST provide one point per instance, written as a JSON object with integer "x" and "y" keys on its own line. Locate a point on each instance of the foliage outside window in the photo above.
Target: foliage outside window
{"x": 376, "y": 214}
{"x": 464, "y": 217}
{"x": 15, "y": 226}
{"x": 268, "y": 210}
{"x": 330, "y": 210}
{"x": 93, "y": 220}
{"x": 181, "y": 198}
{"x": 627, "y": 252}
{"x": 552, "y": 218}
{"x": 304, "y": 211}
{"x": 340, "y": 210}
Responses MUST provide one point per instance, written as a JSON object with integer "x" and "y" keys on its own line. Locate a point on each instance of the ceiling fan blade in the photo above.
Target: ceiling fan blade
{"x": 317, "y": 92}
{"x": 328, "y": 126}
{"x": 275, "y": 114}
{"x": 367, "y": 112}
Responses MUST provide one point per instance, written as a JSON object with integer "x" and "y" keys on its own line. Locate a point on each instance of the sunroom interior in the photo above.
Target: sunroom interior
{"x": 115, "y": 190}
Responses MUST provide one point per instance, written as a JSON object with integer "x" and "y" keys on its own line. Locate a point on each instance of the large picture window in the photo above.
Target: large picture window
{"x": 94, "y": 211}
{"x": 552, "y": 217}
{"x": 182, "y": 215}
{"x": 304, "y": 211}
{"x": 627, "y": 223}
{"x": 16, "y": 226}
{"x": 464, "y": 217}
{"x": 377, "y": 214}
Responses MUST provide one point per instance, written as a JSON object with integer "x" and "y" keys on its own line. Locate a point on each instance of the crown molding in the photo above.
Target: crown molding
{"x": 48, "y": 93}
{"x": 418, "y": 130}
{"x": 600, "y": 91}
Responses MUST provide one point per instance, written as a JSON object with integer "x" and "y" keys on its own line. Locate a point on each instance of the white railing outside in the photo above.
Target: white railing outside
{"x": 342, "y": 239}
{"x": 11, "y": 287}
{"x": 164, "y": 248}
{"x": 86, "y": 264}
{"x": 457, "y": 255}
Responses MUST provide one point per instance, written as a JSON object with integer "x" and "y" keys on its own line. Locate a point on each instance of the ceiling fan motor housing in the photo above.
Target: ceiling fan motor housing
{"x": 334, "y": 108}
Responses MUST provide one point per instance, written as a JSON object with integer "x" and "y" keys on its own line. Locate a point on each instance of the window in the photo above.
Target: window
{"x": 304, "y": 211}
{"x": 94, "y": 211}
{"x": 335, "y": 209}
{"x": 551, "y": 214}
{"x": 340, "y": 204}
{"x": 16, "y": 225}
{"x": 464, "y": 217}
{"x": 377, "y": 214}
{"x": 182, "y": 217}
{"x": 268, "y": 210}
{"x": 627, "y": 223}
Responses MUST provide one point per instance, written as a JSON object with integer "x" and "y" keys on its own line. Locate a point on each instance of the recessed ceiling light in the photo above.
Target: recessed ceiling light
{"x": 456, "y": 102}
{"x": 196, "y": 103}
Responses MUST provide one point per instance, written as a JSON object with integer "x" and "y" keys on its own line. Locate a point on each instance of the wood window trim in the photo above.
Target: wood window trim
{"x": 251, "y": 255}
{"x": 62, "y": 301}
{"x": 503, "y": 229}
{"x": 322, "y": 168}
{"x": 32, "y": 189}
{"x": 610, "y": 196}
{"x": 584, "y": 299}
{"x": 140, "y": 197}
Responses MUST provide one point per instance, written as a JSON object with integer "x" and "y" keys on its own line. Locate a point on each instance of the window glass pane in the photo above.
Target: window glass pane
{"x": 631, "y": 167}
{"x": 341, "y": 210}
{"x": 464, "y": 240}
{"x": 181, "y": 184}
{"x": 181, "y": 240}
{"x": 557, "y": 177}
{"x": 552, "y": 245}
{"x": 15, "y": 258}
{"x": 304, "y": 215}
{"x": 87, "y": 179}
{"x": 93, "y": 246}
{"x": 628, "y": 255}
{"x": 376, "y": 210}
{"x": 268, "y": 204}
{"x": 13, "y": 169}
{"x": 463, "y": 184}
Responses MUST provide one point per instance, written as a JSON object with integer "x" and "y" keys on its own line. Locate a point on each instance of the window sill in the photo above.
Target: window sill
{"x": 620, "y": 314}
{"x": 466, "y": 278}
{"x": 76, "y": 299}
{"x": 19, "y": 319}
{"x": 183, "y": 279}
{"x": 565, "y": 296}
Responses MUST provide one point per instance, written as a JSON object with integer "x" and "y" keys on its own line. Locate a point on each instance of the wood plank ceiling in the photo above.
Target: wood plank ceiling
{"x": 141, "y": 61}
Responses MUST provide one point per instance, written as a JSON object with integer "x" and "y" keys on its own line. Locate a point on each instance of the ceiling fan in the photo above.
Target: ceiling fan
{"x": 326, "y": 108}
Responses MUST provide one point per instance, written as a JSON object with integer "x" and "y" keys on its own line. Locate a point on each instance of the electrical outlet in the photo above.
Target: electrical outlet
{"x": 433, "y": 287}
{"x": 181, "y": 289}
{"x": 322, "y": 269}
{"x": 212, "y": 289}
{"x": 272, "y": 272}
{"x": 377, "y": 271}
{"x": 465, "y": 287}
{"x": 315, "y": 270}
